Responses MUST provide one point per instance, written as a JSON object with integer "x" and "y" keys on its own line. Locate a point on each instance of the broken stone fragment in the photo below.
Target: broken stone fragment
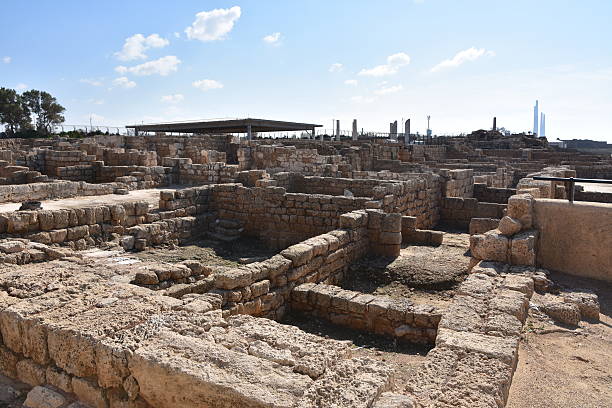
{"x": 42, "y": 397}
{"x": 520, "y": 206}
{"x": 509, "y": 226}
{"x": 560, "y": 311}
{"x": 11, "y": 247}
{"x": 587, "y": 302}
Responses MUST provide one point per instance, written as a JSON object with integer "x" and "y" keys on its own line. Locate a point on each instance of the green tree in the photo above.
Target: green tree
{"x": 14, "y": 112}
{"x": 45, "y": 108}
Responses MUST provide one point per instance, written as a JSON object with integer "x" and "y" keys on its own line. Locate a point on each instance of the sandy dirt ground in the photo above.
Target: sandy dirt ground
{"x": 423, "y": 274}
{"x": 565, "y": 367}
{"x": 151, "y": 195}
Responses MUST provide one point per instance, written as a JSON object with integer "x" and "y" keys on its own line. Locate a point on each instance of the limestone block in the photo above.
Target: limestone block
{"x": 523, "y": 248}
{"x": 390, "y": 238}
{"x": 299, "y": 254}
{"x": 520, "y": 206}
{"x": 111, "y": 365}
{"x": 560, "y": 311}
{"x": 509, "y": 226}
{"x": 8, "y": 362}
{"x": 233, "y": 278}
{"x": 89, "y": 393}
{"x": 59, "y": 379}
{"x": 587, "y": 302}
{"x": 490, "y": 246}
{"x": 30, "y": 373}
{"x": 11, "y": 247}
{"x": 43, "y": 397}
{"x": 503, "y": 349}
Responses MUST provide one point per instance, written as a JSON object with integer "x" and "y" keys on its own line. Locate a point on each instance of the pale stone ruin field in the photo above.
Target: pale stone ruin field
{"x": 159, "y": 271}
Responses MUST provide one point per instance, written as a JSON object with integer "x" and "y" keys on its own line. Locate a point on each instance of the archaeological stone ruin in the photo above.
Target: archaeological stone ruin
{"x": 204, "y": 270}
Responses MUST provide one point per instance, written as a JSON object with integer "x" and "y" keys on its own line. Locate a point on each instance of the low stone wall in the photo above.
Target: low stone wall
{"x": 458, "y": 212}
{"x": 185, "y": 172}
{"x": 53, "y": 190}
{"x": 593, "y": 196}
{"x": 276, "y": 159}
{"x": 487, "y": 194}
{"x": 382, "y": 315}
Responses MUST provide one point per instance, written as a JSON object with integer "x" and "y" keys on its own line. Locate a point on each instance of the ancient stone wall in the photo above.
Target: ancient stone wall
{"x": 458, "y": 212}
{"x": 484, "y": 193}
{"x": 276, "y": 159}
{"x": 382, "y": 315}
{"x": 53, "y": 190}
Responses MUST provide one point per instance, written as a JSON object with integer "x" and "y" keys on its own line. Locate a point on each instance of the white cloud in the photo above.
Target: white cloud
{"x": 97, "y": 101}
{"x": 273, "y": 39}
{"x": 135, "y": 46}
{"x": 394, "y": 62}
{"x": 176, "y": 98}
{"x": 7, "y": 60}
{"x": 471, "y": 54}
{"x": 351, "y": 82}
{"x": 162, "y": 66}
{"x": 21, "y": 86}
{"x": 123, "y": 82}
{"x": 363, "y": 99}
{"x": 92, "y": 82}
{"x": 213, "y": 25}
{"x": 207, "y": 84}
{"x": 177, "y": 34}
{"x": 336, "y": 67}
{"x": 388, "y": 90}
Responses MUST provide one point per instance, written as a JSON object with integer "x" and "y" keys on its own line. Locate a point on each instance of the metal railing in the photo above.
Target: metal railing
{"x": 570, "y": 183}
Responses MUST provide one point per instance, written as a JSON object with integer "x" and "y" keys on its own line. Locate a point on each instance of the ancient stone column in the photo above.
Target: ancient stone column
{"x": 338, "y": 130}
{"x": 407, "y": 132}
{"x": 355, "y": 135}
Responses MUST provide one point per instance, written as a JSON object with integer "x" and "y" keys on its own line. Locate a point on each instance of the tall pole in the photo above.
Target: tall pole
{"x": 535, "y": 119}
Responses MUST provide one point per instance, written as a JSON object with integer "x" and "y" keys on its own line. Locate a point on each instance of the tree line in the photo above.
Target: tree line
{"x": 29, "y": 114}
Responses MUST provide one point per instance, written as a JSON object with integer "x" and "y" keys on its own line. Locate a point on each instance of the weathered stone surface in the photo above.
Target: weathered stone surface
{"x": 523, "y": 248}
{"x": 10, "y": 247}
{"x": 587, "y": 302}
{"x": 520, "y": 206}
{"x": 560, "y": 311}
{"x": 392, "y": 400}
{"x": 509, "y": 226}
{"x": 43, "y": 397}
{"x": 490, "y": 246}
{"x": 351, "y": 383}
{"x": 214, "y": 375}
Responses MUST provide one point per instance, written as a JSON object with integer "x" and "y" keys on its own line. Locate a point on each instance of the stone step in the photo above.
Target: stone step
{"x": 222, "y": 237}
{"x": 229, "y": 224}
{"x": 229, "y": 232}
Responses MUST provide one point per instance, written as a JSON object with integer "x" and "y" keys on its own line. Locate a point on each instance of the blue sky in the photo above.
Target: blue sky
{"x": 462, "y": 62}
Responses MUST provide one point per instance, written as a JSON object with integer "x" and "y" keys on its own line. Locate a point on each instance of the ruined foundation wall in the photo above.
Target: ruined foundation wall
{"x": 382, "y": 315}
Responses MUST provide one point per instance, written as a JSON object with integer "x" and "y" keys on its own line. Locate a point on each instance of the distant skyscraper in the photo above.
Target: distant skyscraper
{"x": 535, "y": 118}
{"x": 542, "y": 125}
